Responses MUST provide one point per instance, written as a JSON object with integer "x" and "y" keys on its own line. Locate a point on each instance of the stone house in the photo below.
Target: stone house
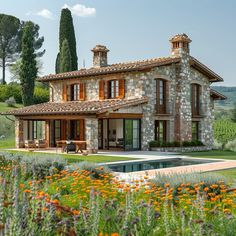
{"x": 124, "y": 106}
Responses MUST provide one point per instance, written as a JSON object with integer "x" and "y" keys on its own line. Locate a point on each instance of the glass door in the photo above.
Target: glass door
{"x": 132, "y": 134}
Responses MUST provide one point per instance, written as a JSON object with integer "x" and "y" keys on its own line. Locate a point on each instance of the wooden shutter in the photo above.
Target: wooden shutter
{"x": 121, "y": 88}
{"x": 64, "y": 92}
{"x": 81, "y": 91}
{"x": 101, "y": 90}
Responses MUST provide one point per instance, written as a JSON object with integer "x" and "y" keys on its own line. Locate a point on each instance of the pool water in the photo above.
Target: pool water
{"x": 154, "y": 164}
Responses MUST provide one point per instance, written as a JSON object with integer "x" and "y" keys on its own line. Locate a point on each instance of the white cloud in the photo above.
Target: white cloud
{"x": 45, "y": 13}
{"x": 81, "y": 10}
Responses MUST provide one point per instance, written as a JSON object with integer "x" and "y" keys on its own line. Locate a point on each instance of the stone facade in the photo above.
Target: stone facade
{"x": 179, "y": 77}
{"x": 19, "y": 133}
{"x": 91, "y": 134}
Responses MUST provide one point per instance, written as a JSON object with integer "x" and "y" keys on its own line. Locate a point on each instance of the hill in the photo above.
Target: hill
{"x": 229, "y": 92}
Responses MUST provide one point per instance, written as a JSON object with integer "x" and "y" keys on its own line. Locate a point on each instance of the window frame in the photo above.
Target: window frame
{"x": 195, "y": 99}
{"x": 158, "y": 134}
{"x": 113, "y": 89}
{"x": 195, "y": 130}
{"x": 161, "y": 95}
{"x": 75, "y": 92}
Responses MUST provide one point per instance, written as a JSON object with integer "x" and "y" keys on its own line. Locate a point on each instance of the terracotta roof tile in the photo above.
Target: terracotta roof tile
{"x": 114, "y": 68}
{"x": 76, "y": 107}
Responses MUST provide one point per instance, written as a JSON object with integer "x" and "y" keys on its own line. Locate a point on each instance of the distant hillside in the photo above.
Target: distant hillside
{"x": 229, "y": 92}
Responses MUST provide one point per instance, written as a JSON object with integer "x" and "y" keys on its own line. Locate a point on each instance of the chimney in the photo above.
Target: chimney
{"x": 180, "y": 44}
{"x": 99, "y": 56}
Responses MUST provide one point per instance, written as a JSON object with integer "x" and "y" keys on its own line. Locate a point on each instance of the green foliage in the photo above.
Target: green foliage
{"x": 65, "y": 57}
{"x": 28, "y": 69}
{"x": 233, "y": 118}
{"x": 175, "y": 144}
{"x": 7, "y": 127}
{"x": 224, "y": 130}
{"x": 41, "y": 95}
{"x": 9, "y": 43}
{"x": 10, "y": 90}
{"x": 231, "y": 145}
{"x": 36, "y": 166}
{"x": 67, "y": 32}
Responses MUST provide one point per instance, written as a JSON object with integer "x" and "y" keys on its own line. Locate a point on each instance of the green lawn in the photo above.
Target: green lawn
{"x": 4, "y": 107}
{"x": 213, "y": 154}
{"x": 7, "y": 143}
{"x": 10, "y": 143}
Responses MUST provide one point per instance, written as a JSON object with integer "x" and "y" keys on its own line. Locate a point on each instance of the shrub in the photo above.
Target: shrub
{"x": 154, "y": 143}
{"x": 36, "y": 165}
{"x": 11, "y": 102}
{"x": 175, "y": 144}
{"x": 231, "y": 145}
{"x": 217, "y": 145}
{"x": 41, "y": 95}
{"x": 96, "y": 170}
{"x": 10, "y": 90}
{"x": 180, "y": 179}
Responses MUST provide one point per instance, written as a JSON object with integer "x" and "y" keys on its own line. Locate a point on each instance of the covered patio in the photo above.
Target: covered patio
{"x": 91, "y": 124}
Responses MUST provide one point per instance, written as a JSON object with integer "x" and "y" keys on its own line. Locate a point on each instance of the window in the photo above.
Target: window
{"x": 195, "y": 130}
{"x": 113, "y": 89}
{"x": 161, "y": 90}
{"x": 160, "y": 130}
{"x": 195, "y": 99}
{"x": 75, "y": 92}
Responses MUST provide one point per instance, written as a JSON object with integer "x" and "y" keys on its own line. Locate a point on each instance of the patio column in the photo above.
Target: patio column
{"x": 19, "y": 133}
{"x": 91, "y": 134}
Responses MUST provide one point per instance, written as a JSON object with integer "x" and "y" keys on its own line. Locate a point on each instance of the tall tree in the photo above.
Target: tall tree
{"x": 65, "y": 57}
{"x": 57, "y": 65}
{"x": 9, "y": 42}
{"x": 37, "y": 43}
{"x": 67, "y": 32}
{"x": 28, "y": 68}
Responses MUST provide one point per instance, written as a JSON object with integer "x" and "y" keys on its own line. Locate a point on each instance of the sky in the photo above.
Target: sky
{"x": 137, "y": 29}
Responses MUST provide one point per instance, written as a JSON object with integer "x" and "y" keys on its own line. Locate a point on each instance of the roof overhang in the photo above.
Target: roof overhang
{"x": 217, "y": 96}
{"x": 85, "y": 108}
{"x": 213, "y": 77}
{"x": 111, "y": 69}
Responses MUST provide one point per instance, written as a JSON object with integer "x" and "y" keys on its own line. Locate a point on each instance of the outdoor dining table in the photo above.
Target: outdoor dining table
{"x": 78, "y": 145}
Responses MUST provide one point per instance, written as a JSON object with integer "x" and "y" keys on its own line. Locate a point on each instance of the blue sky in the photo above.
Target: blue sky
{"x": 138, "y": 29}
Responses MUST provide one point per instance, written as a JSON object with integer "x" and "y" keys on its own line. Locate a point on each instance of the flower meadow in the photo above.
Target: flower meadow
{"x": 48, "y": 197}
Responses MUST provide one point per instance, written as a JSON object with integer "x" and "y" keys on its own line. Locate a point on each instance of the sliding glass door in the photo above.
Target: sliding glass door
{"x": 132, "y": 134}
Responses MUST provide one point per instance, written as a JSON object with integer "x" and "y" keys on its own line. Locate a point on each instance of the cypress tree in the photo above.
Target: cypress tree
{"x": 28, "y": 68}
{"x": 67, "y": 32}
{"x": 65, "y": 57}
{"x": 57, "y": 66}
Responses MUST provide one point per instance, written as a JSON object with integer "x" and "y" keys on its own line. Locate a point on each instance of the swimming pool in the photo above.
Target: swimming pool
{"x": 134, "y": 166}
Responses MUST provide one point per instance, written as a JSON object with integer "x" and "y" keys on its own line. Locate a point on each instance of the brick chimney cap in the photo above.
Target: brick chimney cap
{"x": 100, "y": 48}
{"x": 181, "y": 38}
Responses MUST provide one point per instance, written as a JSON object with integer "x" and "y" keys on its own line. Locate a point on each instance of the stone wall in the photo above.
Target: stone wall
{"x": 19, "y": 133}
{"x": 91, "y": 134}
{"x": 179, "y": 78}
